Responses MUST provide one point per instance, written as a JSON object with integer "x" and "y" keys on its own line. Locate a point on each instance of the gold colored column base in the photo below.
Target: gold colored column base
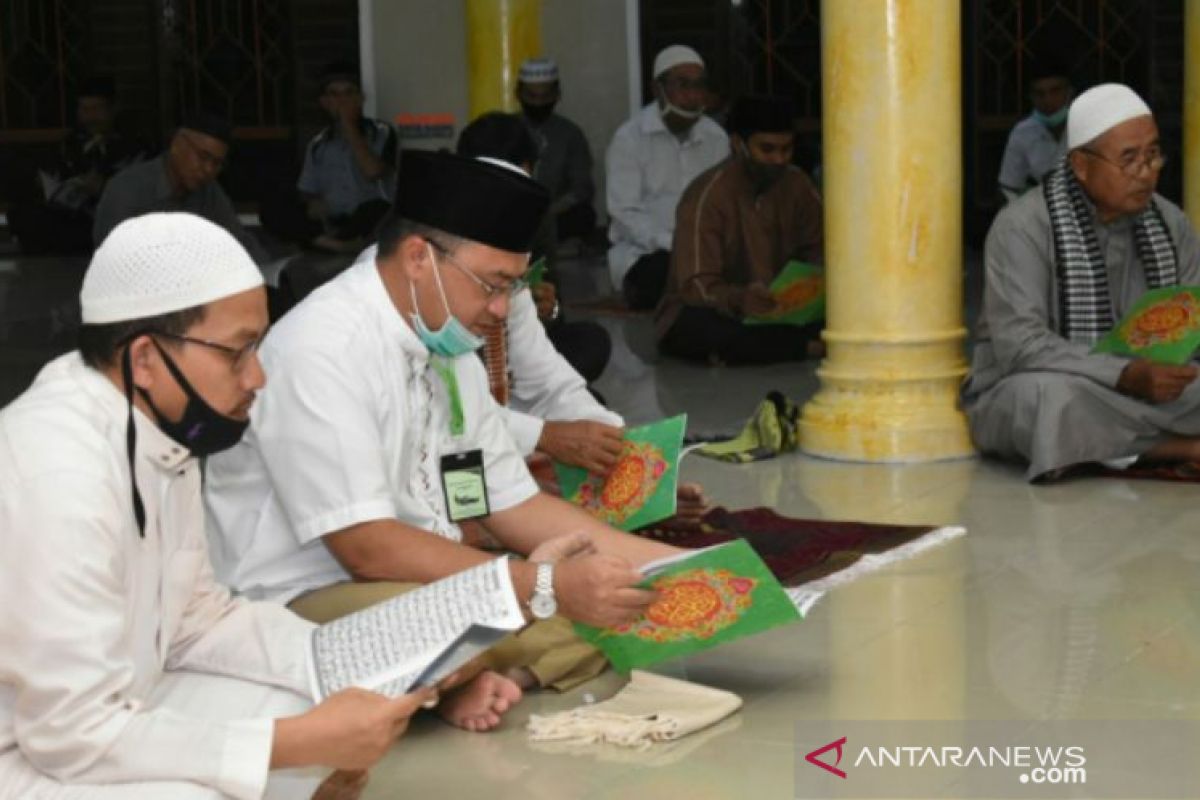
{"x": 905, "y": 422}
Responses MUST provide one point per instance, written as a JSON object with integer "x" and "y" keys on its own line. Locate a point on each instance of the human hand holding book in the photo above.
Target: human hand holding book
{"x": 1155, "y": 383}
{"x": 705, "y": 598}
{"x": 758, "y": 300}
{"x": 797, "y": 295}
{"x": 640, "y": 488}
{"x": 1163, "y": 326}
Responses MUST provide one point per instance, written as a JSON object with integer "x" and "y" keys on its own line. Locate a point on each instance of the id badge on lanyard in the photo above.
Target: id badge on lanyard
{"x": 464, "y": 482}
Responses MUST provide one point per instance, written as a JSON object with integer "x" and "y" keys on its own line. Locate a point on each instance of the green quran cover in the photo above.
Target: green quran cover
{"x": 706, "y": 598}
{"x": 1162, "y": 326}
{"x": 640, "y": 488}
{"x": 536, "y": 272}
{"x": 799, "y": 292}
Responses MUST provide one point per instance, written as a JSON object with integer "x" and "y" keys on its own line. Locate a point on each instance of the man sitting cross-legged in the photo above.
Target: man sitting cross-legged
{"x": 1063, "y": 264}
{"x": 377, "y": 436}
{"x": 126, "y": 671}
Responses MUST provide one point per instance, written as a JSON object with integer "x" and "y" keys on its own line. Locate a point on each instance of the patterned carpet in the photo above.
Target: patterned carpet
{"x": 798, "y": 551}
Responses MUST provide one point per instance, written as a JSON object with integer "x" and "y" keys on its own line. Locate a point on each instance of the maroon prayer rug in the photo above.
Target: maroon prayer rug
{"x": 1183, "y": 472}
{"x": 798, "y": 551}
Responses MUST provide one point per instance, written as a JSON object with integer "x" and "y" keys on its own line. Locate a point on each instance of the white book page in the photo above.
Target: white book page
{"x": 387, "y": 647}
{"x": 651, "y": 568}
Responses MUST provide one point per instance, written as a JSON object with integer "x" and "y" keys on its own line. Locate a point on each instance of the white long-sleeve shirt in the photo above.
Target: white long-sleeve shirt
{"x": 92, "y": 615}
{"x": 647, "y": 169}
{"x": 544, "y": 384}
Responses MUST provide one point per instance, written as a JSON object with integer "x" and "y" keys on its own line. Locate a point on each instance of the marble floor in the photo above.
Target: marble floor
{"x": 1075, "y": 601}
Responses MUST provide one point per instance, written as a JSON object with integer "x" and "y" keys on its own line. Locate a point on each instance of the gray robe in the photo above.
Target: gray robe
{"x": 1033, "y": 395}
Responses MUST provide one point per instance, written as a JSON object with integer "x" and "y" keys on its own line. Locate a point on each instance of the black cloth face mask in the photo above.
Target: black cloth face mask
{"x": 201, "y": 429}
{"x": 537, "y": 113}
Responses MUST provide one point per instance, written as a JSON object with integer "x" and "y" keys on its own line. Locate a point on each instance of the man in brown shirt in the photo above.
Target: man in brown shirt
{"x": 736, "y": 227}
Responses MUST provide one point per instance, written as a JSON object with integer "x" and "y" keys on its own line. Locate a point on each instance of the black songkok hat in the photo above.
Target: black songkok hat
{"x": 98, "y": 86}
{"x": 209, "y": 124}
{"x": 1048, "y": 65}
{"x": 761, "y": 114}
{"x": 482, "y": 201}
{"x": 339, "y": 71}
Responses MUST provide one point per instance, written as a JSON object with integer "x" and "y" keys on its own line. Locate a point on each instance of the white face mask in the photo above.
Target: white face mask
{"x": 668, "y": 107}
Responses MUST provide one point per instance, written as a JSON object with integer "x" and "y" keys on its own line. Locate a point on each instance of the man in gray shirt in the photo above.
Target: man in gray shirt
{"x": 1063, "y": 263}
{"x": 182, "y": 179}
{"x": 564, "y": 163}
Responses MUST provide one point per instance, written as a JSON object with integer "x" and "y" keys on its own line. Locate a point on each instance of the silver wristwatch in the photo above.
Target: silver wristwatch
{"x": 542, "y": 604}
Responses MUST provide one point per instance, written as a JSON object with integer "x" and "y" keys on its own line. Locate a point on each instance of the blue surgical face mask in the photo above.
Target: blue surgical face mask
{"x": 1052, "y": 120}
{"x": 453, "y": 338}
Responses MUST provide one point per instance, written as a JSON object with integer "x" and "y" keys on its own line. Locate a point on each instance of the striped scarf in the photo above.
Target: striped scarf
{"x": 1085, "y": 311}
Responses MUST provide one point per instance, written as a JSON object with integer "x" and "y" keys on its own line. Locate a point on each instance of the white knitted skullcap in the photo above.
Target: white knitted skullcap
{"x": 159, "y": 263}
{"x": 1100, "y": 109}
{"x": 538, "y": 70}
{"x": 673, "y": 56}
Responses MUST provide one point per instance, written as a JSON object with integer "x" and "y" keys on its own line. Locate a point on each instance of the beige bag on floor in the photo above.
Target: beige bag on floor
{"x": 651, "y": 708}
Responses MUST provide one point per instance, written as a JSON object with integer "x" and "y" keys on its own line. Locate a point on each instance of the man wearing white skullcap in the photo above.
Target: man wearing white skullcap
{"x": 126, "y": 671}
{"x": 652, "y": 158}
{"x": 564, "y": 160}
{"x": 1062, "y": 265}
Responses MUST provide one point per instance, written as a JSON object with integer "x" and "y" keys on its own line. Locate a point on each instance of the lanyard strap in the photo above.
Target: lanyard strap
{"x": 445, "y": 371}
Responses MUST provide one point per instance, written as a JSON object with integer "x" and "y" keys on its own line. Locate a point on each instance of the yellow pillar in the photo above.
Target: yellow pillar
{"x": 1191, "y": 111}
{"x": 500, "y": 35}
{"x": 893, "y": 234}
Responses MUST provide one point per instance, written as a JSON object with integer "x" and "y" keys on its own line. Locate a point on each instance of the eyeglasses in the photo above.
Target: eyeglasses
{"x": 489, "y": 289}
{"x": 211, "y": 160}
{"x": 238, "y": 357}
{"x": 1132, "y": 165}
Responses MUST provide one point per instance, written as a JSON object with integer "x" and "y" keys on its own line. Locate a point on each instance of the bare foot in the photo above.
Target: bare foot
{"x": 342, "y": 785}
{"x": 478, "y": 704}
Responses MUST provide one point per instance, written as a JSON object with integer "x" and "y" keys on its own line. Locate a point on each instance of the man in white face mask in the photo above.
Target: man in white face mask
{"x": 651, "y": 159}
{"x": 1037, "y": 141}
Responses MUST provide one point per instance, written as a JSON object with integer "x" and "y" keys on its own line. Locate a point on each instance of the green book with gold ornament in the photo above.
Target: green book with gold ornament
{"x": 799, "y": 292}
{"x": 1162, "y": 326}
{"x": 536, "y": 272}
{"x": 641, "y": 487}
{"x": 705, "y": 598}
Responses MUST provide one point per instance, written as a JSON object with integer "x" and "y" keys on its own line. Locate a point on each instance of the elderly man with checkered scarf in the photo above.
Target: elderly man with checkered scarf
{"x": 1062, "y": 265}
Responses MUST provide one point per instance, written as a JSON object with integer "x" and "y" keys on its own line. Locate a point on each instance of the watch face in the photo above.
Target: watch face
{"x": 542, "y": 606}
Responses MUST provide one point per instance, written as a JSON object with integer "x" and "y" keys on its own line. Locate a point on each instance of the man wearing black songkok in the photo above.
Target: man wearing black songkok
{"x": 343, "y": 491}
{"x": 736, "y": 227}
{"x": 184, "y": 178}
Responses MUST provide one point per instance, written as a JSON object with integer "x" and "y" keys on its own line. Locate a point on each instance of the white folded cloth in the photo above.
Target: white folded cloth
{"x": 651, "y": 708}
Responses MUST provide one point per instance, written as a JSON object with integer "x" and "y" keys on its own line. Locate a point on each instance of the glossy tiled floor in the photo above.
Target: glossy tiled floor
{"x": 1074, "y": 601}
